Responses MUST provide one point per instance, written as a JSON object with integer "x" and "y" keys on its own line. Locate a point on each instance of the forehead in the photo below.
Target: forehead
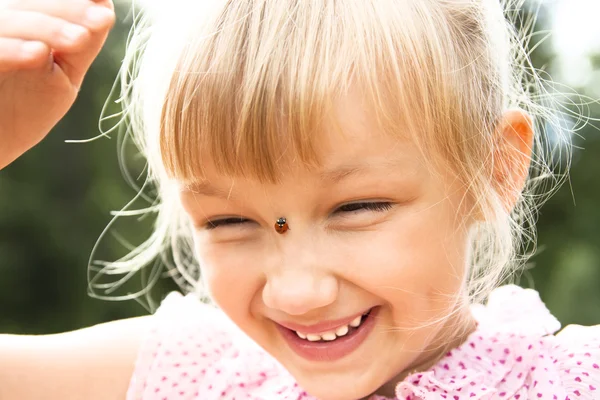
{"x": 350, "y": 145}
{"x": 357, "y": 143}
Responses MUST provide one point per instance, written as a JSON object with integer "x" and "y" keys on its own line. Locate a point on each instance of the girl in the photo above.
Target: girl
{"x": 344, "y": 181}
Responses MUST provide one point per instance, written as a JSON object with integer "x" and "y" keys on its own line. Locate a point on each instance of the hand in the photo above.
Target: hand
{"x": 46, "y": 48}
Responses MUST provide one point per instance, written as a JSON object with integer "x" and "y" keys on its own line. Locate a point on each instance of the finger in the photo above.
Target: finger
{"x": 76, "y": 63}
{"x": 76, "y": 57}
{"x": 91, "y": 14}
{"x": 34, "y": 26}
{"x": 105, "y": 3}
{"x": 97, "y": 16}
{"x": 17, "y": 54}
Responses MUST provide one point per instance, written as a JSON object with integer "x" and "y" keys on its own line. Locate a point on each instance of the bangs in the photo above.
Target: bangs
{"x": 255, "y": 86}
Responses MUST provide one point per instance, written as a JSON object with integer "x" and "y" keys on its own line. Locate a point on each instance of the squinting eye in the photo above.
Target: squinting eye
{"x": 225, "y": 222}
{"x": 365, "y": 206}
{"x": 346, "y": 208}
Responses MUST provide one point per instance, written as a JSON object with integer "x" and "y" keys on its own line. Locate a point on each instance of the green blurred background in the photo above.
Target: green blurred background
{"x": 56, "y": 200}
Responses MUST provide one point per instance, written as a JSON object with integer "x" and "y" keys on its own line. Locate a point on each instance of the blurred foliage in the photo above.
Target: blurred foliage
{"x": 56, "y": 200}
{"x": 566, "y": 266}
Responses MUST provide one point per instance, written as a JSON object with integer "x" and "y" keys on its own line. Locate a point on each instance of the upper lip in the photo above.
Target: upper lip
{"x": 321, "y": 327}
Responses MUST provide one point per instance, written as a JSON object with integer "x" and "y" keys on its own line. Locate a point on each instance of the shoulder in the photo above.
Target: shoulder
{"x": 193, "y": 350}
{"x": 185, "y": 337}
{"x": 515, "y": 353}
{"x": 576, "y": 353}
{"x": 563, "y": 364}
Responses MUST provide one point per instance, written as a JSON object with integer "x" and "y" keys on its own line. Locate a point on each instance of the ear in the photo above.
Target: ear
{"x": 512, "y": 155}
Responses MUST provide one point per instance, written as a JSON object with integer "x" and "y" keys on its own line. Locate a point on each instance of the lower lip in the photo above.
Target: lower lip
{"x": 333, "y": 350}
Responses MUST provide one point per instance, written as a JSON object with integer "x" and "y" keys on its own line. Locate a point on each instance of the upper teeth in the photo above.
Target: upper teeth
{"x": 331, "y": 335}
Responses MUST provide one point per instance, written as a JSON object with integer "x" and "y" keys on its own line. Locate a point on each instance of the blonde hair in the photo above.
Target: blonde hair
{"x": 248, "y": 81}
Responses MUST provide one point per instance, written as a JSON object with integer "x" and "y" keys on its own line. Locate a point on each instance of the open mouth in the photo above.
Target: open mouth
{"x": 342, "y": 331}
{"x": 334, "y": 344}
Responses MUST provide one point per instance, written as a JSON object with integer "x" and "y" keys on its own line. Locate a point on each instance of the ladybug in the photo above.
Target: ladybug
{"x": 281, "y": 225}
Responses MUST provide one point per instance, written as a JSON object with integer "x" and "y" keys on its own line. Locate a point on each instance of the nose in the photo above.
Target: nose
{"x": 299, "y": 289}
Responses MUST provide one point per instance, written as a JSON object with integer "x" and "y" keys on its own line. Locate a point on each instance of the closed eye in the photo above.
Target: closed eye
{"x": 350, "y": 208}
{"x": 364, "y": 206}
{"x": 225, "y": 222}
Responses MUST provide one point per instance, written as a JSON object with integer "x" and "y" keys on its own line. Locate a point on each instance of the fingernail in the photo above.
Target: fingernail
{"x": 32, "y": 49}
{"x": 98, "y": 16}
{"x": 73, "y": 32}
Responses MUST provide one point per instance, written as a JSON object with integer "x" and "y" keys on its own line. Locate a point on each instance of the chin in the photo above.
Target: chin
{"x": 353, "y": 385}
{"x": 330, "y": 393}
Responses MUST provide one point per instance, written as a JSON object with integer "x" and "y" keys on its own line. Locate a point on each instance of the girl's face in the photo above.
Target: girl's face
{"x": 372, "y": 230}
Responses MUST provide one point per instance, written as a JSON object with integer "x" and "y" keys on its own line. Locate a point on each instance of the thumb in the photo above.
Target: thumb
{"x": 76, "y": 64}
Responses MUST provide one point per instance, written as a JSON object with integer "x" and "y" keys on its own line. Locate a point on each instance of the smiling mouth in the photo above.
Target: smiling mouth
{"x": 332, "y": 335}
{"x": 334, "y": 344}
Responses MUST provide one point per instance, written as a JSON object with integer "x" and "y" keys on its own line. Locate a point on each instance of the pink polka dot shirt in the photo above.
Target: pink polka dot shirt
{"x": 193, "y": 351}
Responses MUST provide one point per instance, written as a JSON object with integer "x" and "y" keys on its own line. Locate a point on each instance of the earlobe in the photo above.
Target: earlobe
{"x": 512, "y": 155}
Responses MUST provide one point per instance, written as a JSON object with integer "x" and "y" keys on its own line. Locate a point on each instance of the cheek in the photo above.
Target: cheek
{"x": 229, "y": 275}
{"x": 417, "y": 264}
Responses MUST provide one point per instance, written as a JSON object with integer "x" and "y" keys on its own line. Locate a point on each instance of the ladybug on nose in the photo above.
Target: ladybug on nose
{"x": 281, "y": 226}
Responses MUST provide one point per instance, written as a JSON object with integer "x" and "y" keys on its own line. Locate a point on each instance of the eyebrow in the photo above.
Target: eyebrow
{"x": 338, "y": 174}
{"x": 205, "y": 188}
{"x": 329, "y": 177}
{"x": 342, "y": 172}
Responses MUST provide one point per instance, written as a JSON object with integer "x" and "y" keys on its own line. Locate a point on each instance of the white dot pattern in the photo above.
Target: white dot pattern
{"x": 195, "y": 352}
